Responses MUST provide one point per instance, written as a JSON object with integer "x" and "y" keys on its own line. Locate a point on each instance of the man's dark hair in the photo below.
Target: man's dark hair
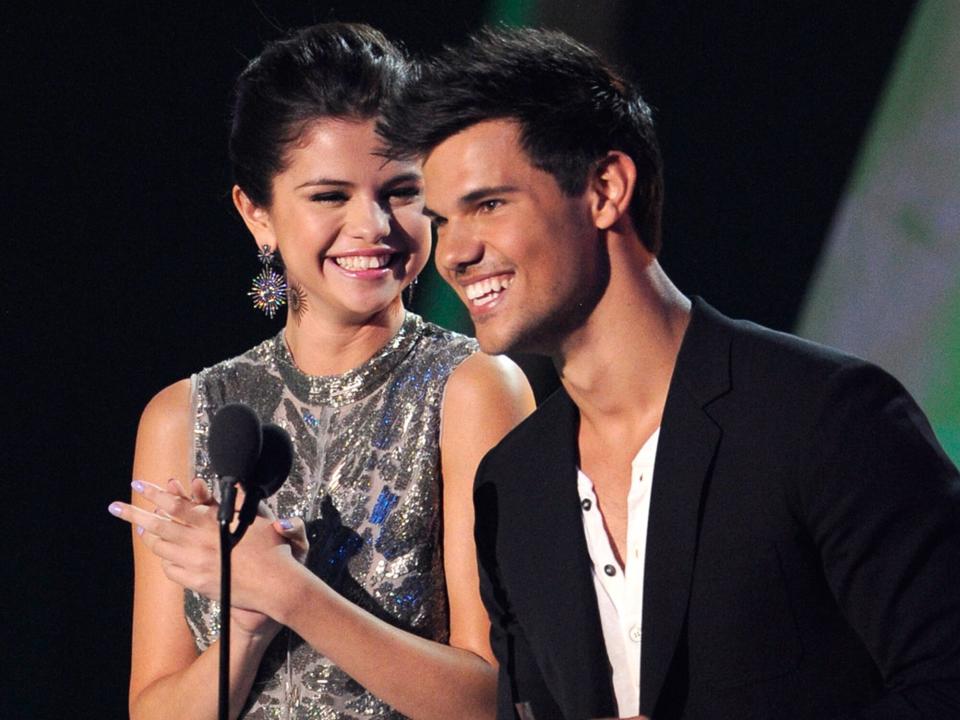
{"x": 571, "y": 107}
{"x": 331, "y": 70}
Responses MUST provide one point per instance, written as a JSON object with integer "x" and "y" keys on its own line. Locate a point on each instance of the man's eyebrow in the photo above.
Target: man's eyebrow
{"x": 480, "y": 193}
{"x": 470, "y": 198}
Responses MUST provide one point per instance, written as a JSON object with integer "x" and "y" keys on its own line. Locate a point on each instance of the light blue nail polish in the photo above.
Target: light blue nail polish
{"x": 115, "y": 509}
{"x": 139, "y": 529}
{"x": 137, "y": 485}
{"x": 286, "y": 523}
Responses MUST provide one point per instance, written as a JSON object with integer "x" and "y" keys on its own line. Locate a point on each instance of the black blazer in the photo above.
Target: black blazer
{"x": 803, "y": 540}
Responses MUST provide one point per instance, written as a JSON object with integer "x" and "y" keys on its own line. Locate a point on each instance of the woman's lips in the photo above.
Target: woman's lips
{"x": 367, "y": 265}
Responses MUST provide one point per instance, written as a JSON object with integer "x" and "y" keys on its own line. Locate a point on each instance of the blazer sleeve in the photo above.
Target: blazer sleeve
{"x": 520, "y": 684}
{"x": 882, "y": 502}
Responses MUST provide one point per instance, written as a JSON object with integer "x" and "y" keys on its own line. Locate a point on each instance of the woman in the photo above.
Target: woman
{"x": 382, "y": 616}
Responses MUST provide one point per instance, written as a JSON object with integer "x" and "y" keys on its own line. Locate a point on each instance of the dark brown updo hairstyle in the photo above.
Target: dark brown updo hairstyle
{"x": 331, "y": 70}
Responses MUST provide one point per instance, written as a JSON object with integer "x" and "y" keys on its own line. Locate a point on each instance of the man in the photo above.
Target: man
{"x": 709, "y": 519}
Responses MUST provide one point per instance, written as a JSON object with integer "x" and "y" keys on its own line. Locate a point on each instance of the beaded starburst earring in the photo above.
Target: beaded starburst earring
{"x": 296, "y": 301}
{"x": 269, "y": 289}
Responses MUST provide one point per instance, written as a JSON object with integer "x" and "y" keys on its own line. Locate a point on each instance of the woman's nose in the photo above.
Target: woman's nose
{"x": 368, "y": 220}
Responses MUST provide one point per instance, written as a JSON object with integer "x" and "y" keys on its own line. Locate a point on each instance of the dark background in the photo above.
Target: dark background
{"x": 129, "y": 269}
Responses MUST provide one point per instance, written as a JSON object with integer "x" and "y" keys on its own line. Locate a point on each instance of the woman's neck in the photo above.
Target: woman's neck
{"x": 330, "y": 346}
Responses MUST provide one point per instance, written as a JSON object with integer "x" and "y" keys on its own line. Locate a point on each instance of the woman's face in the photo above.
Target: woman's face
{"x": 348, "y": 224}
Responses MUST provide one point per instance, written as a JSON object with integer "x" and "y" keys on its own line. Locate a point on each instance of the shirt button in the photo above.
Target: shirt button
{"x": 636, "y": 633}
{"x": 586, "y": 504}
{"x": 610, "y": 570}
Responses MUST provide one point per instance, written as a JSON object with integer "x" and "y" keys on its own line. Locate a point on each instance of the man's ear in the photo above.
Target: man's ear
{"x": 612, "y": 181}
{"x": 255, "y": 217}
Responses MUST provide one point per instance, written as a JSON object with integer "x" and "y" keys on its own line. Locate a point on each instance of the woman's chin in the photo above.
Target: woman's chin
{"x": 371, "y": 310}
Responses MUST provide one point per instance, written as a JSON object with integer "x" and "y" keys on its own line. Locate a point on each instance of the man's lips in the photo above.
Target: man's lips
{"x": 487, "y": 289}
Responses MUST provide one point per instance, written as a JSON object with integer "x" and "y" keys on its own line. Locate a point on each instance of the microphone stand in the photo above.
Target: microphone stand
{"x": 228, "y": 495}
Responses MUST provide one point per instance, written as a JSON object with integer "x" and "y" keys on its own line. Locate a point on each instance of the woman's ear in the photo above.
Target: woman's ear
{"x": 612, "y": 181}
{"x": 255, "y": 217}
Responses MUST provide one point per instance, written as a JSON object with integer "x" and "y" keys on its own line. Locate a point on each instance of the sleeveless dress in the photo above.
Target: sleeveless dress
{"x": 365, "y": 479}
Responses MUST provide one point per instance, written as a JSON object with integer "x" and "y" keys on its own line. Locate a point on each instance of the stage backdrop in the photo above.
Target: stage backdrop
{"x": 888, "y": 284}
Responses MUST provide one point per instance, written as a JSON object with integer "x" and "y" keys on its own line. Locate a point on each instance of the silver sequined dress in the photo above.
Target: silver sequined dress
{"x": 366, "y": 481}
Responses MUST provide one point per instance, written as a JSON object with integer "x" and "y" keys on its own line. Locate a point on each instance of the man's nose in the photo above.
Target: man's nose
{"x": 458, "y": 247}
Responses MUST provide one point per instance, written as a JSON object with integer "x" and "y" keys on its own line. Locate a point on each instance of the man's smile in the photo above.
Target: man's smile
{"x": 485, "y": 290}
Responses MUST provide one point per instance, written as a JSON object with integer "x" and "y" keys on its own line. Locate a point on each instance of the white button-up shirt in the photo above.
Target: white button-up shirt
{"x": 620, "y": 591}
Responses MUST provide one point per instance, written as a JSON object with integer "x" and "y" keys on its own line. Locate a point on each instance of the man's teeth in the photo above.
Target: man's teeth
{"x": 362, "y": 262}
{"x": 486, "y": 291}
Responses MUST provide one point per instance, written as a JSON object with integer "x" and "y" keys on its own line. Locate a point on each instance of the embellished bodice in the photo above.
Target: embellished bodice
{"x": 365, "y": 479}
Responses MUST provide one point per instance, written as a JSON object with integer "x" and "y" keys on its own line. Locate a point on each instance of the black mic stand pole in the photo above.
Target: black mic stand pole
{"x": 228, "y": 495}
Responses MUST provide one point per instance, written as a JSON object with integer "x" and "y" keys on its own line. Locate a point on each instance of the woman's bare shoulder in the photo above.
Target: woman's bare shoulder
{"x": 489, "y": 380}
{"x": 166, "y": 420}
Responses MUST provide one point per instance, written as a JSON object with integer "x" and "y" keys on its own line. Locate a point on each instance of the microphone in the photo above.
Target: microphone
{"x": 272, "y": 468}
{"x": 234, "y": 444}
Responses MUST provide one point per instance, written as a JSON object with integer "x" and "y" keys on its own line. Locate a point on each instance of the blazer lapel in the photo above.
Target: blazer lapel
{"x": 688, "y": 443}
{"x": 569, "y": 641}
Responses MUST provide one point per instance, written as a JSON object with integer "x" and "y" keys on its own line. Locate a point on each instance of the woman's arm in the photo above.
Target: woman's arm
{"x": 485, "y": 398}
{"x": 168, "y": 679}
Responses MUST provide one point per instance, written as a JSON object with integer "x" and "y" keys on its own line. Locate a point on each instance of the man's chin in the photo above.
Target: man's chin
{"x": 491, "y": 341}
{"x": 503, "y": 343}
{"x": 494, "y": 347}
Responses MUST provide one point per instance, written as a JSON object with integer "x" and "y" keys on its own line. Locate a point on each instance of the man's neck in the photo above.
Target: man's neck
{"x": 617, "y": 367}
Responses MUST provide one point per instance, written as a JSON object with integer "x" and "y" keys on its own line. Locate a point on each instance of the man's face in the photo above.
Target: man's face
{"x": 524, "y": 258}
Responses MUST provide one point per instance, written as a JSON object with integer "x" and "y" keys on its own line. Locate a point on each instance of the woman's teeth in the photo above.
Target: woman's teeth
{"x": 362, "y": 262}
{"x": 485, "y": 291}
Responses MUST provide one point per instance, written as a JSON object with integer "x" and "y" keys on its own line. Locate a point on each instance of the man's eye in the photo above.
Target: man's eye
{"x": 490, "y": 205}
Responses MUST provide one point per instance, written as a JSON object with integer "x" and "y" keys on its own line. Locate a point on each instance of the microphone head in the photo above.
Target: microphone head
{"x": 234, "y": 441}
{"x": 276, "y": 459}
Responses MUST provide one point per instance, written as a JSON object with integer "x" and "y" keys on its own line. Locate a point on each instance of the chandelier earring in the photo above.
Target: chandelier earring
{"x": 269, "y": 289}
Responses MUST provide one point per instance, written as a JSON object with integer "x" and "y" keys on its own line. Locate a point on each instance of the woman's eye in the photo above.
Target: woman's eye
{"x": 404, "y": 194}
{"x": 329, "y": 197}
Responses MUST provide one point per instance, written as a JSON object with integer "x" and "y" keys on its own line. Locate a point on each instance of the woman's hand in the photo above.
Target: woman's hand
{"x": 184, "y": 533}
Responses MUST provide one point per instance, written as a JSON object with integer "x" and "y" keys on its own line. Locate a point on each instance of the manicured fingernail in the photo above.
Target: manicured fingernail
{"x": 137, "y": 485}
{"x": 115, "y": 509}
{"x": 139, "y": 529}
{"x": 286, "y": 523}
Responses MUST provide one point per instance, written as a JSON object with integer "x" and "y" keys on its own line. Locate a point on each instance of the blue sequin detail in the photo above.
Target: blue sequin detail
{"x": 346, "y": 550}
{"x": 310, "y": 419}
{"x": 385, "y": 503}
